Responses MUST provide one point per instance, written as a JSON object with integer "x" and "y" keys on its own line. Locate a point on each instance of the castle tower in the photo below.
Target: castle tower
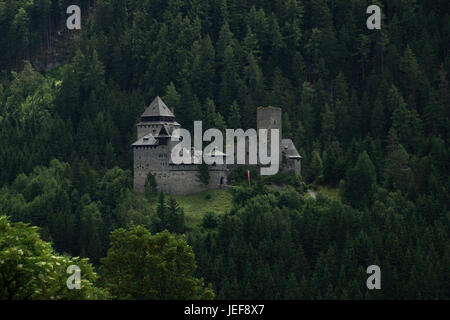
{"x": 152, "y": 154}
{"x": 156, "y": 116}
{"x": 269, "y": 118}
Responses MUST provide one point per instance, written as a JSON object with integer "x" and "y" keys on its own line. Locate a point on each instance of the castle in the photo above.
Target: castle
{"x": 152, "y": 152}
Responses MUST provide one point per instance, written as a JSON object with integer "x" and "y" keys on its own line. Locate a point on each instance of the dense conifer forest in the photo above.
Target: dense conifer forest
{"x": 367, "y": 109}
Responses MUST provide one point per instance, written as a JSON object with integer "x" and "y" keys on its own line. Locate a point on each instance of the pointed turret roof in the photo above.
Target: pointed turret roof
{"x": 163, "y": 133}
{"x": 157, "y": 109}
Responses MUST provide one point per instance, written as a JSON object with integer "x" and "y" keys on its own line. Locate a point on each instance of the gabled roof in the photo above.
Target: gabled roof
{"x": 163, "y": 133}
{"x": 289, "y": 149}
{"x": 147, "y": 140}
{"x": 157, "y": 109}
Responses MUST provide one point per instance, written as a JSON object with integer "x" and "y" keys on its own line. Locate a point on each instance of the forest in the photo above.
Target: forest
{"x": 367, "y": 109}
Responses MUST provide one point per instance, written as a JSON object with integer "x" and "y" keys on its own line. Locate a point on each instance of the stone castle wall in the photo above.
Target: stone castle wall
{"x": 179, "y": 182}
{"x": 292, "y": 166}
{"x": 170, "y": 178}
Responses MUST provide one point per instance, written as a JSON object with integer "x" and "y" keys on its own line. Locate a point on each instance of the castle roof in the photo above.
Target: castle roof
{"x": 157, "y": 109}
{"x": 163, "y": 132}
{"x": 159, "y": 122}
{"x": 289, "y": 149}
{"x": 147, "y": 140}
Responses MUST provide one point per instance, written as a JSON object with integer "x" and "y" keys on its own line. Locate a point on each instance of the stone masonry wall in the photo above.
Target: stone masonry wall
{"x": 170, "y": 180}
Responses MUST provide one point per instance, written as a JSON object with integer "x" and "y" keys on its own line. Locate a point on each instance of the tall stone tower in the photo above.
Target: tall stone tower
{"x": 152, "y": 149}
{"x": 269, "y": 118}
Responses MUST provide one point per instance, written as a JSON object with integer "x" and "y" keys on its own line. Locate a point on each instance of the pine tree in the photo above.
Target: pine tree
{"x": 287, "y": 128}
{"x": 203, "y": 174}
{"x": 306, "y": 109}
{"x": 410, "y": 71}
{"x": 21, "y": 34}
{"x": 234, "y": 116}
{"x": 150, "y": 187}
{"x": 172, "y": 97}
{"x": 377, "y": 120}
{"x": 333, "y": 163}
{"x": 328, "y": 124}
{"x": 161, "y": 213}
{"x": 209, "y": 112}
{"x": 397, "y": 172}
{"x": 229, "y": 80}
{"x": 224, "y": 40}
{"x": 360, "y": 182}
{"x": 175, "y": 217}
{"x": 110, "y": 157}
{"x": 255, "y": 81}
{"x": 316, "y": 166}
{"x": 407, "y": 124}
{"x": 203, "y": 68}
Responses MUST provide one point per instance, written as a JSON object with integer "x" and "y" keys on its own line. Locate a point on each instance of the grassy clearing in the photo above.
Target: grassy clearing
{"x": 197, "y": 205}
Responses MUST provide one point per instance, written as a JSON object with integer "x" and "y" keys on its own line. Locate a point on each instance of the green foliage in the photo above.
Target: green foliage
{"x": 360, "y": 183}
{"x": 77, "y": 224}
{"x": 175, "y": 217}
{"x": 209, "y": 220}
{"x": 161, "y": 223}
{"x": 333, "y": 163}
{"x": 31, "y": 269}
{"x": 151, "y": 267}
{"x": 397, "y": 170}
{"x": 234, "y": 116}
{"x": 203, "y": 174}
{"x": 316, "y": 167}
{"x": 323, "y": 246}
{"x": 344, "y": 91}
{"x": 150, "y": 187}
{"x": 196, "y": 206}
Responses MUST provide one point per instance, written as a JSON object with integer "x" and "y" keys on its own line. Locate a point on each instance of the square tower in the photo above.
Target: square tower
{"x": 270, "y": 118}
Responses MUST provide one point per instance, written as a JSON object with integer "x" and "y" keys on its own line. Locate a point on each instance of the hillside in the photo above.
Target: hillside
{"x": 367, "y": 109}
{"x": 196, "y": 206}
